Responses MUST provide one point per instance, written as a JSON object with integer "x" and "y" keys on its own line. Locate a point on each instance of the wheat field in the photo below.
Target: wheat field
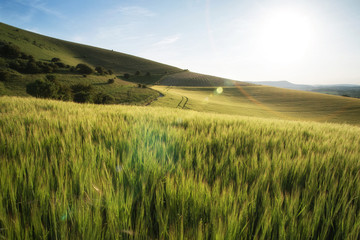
{"x": 82, "y": 171}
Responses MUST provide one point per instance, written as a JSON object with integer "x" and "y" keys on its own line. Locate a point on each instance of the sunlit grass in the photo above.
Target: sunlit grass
{"x": 265, "y": 102}
{"x": 116, "y": 172}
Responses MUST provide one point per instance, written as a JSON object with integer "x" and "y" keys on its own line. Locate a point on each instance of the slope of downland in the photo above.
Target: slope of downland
{"x": 71, "y": 171}
{"x": 187, "y": 78}
{"x": 44, "y": 48}
{"x": 266, "y": 102}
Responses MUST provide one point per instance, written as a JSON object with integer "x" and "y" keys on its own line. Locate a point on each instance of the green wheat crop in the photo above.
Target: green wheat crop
{"x": 72, "y": 171}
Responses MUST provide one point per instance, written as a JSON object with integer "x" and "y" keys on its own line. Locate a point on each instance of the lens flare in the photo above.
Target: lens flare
{"x": 219, "y": 90}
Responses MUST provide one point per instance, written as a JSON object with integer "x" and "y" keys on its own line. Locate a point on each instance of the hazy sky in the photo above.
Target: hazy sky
{"x": 304, "y": 41}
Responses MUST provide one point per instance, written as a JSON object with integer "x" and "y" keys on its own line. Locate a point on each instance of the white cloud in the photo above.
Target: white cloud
{"x": 168, "y": 40}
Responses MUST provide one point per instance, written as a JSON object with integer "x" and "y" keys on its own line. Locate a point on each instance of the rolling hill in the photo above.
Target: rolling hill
{"x": 172, "y": 87}
{"x": 263, "y": 101}
{"x": 187, "y": 78}
{"x": 40, "y": 50}
{"x": 46, "y": 48}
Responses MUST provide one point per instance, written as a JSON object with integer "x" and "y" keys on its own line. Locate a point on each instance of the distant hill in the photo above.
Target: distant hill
{"x": 187, "y": 78}
{"x": 348, "y": 90}
{"x": 285, "y": 84}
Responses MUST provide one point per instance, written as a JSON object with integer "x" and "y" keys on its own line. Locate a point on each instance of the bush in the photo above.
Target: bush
{"x": 101, "y": 70}
{"x": 51, "y": 78}
{"x": 82, "y": 97}
{"x": 148, "y": 74}
{"x": 5, "y": 75}
{"x": 33, "y": 67}
{"x": 111, "y": 80}
{"x": 142, "y": 86}
{"x": 55, "y": 59}
{"x": 64, "y": 93}
{"x": 49, "y": 89}
{"x": 81, "y": 87}
{"x": 60, "y": 65}
{"x": 137, "y": 73}
{"x": 42, "y": 89}
{"x": 82, "y": 92}
{"x": 10, "y": 51}
{"x": 18, "y": 65}
{"x": 102, "y": 98}
{"x": 110, "y": 72}
{"x": 126, "y": 76}
{"x": 84, "y": 69}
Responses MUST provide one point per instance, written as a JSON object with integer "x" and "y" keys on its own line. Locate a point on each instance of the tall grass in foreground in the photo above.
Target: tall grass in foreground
{"x": 71, "y": 171}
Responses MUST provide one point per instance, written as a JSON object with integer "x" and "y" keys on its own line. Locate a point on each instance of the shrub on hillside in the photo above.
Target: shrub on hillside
{"x": 5, "y": 75}
{"x": 82, "y": 97}
{"x": 84, "y": 69}
{"x": 102, "y": 98}
{"x": 137, "y": 73}
{"x": 10, "y": 51}
{"x": 18, "y": 65}
{"x": 81, "y": 87}
{"x": 32, "y": 67}
{"x": 55, "y": 59}
{"x": 110, "y": 72}
{"x": 49, "y": 88}
{"x": 126, "y": 75}
{"x": 142, "y": 85}
{"x": 51, "y": 78}
{"x": 148, "y": 74}
{"x": 42, "y": 89}
{"x": 82, "y": 92}
{"x": 111, "y": 80}
{"x": 64, "y": 93}
{"x": 60, "y": 65}
{"x": 101, "y": 70}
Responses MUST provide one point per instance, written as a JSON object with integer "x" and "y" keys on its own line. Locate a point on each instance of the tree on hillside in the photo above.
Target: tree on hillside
{"x": 102, "y": 98}
{"x": 101, "y": 70}
{"x": 84, "y": 69}
{"x": 82, "y": 92}
{"x": 42, "y": 89}
{"x": 126, "y": 75}
{"x": 55, "y": 59}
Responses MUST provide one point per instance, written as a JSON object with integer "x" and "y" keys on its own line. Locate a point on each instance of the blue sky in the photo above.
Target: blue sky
{"x": 309, "y": 42}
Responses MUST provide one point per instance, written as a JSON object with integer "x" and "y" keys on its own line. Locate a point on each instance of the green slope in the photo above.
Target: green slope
{"x": 43, "y": 47}
{"x": 263, "y": 101}
{"x": 187, "y": 78}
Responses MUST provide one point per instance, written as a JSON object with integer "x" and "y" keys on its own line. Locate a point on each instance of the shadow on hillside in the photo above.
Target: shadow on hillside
{"x": 100, "y": 83}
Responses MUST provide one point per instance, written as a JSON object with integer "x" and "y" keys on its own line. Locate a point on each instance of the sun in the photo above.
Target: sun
{"x": 284, "y": 36}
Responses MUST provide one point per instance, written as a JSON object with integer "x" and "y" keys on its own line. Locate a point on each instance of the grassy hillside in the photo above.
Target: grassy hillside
{"x": 40, "y": 50}
{"x": 187, "y": 78}
{"x": 43, "y": 47}
{"x": 71, "y": 171}
{"x": 263, "y": 101}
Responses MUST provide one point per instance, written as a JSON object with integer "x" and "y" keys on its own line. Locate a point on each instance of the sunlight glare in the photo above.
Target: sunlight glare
{"x": 285, "y": 36}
